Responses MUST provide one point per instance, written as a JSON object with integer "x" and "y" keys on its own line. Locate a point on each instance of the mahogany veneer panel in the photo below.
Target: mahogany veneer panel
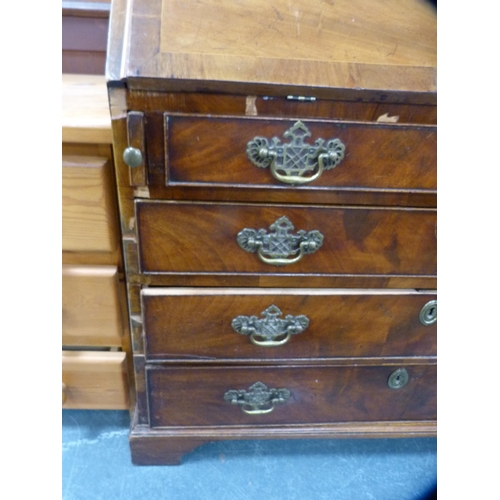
{"x": 195, "y": 396}
{"x": 197, "y": 237}
{"x": 195, "y": 325}
{"x": 213, "y": 151}
{"x": 280, "y": 106}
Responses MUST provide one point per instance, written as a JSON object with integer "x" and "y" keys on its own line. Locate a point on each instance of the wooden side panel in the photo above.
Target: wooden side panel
{"x": 199, "y": 327}
{"x": 136, "y": 139}
{"x": 89, "y": 214}
{"x": 202, "y": 238}
{"x": 94, "y": 380}
{"x": 317, "y": 395}
{"x": 90, "y": 306}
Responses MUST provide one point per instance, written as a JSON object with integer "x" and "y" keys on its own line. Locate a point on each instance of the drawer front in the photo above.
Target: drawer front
{"x": 305, "y": 395}
{"x": 203, "y": 238}
{"x": 273, "y": 324}
{"x": 89, "y": 219}
{"x": 94, "y": 380}
{"x": 90, "y": 306}
{"x": 216, "y": 151}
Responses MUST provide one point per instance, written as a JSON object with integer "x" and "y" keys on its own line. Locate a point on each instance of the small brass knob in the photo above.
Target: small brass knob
{"x": 132, "y": 157}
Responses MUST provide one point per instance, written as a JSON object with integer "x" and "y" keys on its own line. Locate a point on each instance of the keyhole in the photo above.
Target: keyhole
{"x": 428, "y": 313}
{"x": 398, "y": 378}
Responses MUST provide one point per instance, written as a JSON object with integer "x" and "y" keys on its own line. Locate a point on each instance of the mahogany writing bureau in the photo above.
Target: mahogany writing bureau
{"x": 276, "y": 175}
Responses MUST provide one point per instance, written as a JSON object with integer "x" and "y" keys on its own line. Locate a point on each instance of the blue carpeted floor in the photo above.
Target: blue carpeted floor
{"x": 96, "y": 465}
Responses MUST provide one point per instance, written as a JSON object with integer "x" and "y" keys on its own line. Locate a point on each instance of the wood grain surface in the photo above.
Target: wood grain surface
{"x": 95, "y": 380}
{"x": 210, "y": 151}
{"x": 85, "y": 109}
{"x": 89, "y": 214}
{"x": 280, "y": 106}
{"x": 177, "y": 397}
{"x": 383, "y": 46}
{"x": 91, "y": 313}
{"x": 222, "y": 72}
{"x": 202, "y": 238}
{"x": 197, "y": 326}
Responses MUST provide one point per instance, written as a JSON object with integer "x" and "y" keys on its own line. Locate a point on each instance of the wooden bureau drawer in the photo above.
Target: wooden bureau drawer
{"x": 212, "y": 151}
{"x": 196, "y": 324}
{"x": 202, "y": 238}
{"x": 94, "y": 380}
{"x": 90, "y": 306}
{"x": 89, "y": 219}
{"x": 195, "y": 396}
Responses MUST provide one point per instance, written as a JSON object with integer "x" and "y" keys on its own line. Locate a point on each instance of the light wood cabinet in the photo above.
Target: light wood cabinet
{"x": 93, "y": 303}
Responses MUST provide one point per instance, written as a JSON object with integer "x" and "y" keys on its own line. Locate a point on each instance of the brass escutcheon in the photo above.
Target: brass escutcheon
{"x": 258, "y": 400}
{"x": 398, "y": 378}
{"x": 295, "y": 162}
{"x": 279, "y": 248}
{"x": 428, "y": 313}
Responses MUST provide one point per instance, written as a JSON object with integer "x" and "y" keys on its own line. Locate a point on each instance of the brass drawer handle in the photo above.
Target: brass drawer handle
{"x": 270, "y": 331}
{"x": 279, "y": 248}
{"x": 259, "y": 400}
{"x": 291, "y": 162}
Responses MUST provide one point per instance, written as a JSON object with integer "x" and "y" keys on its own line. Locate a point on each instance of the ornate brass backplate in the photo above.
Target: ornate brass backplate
{"x": 258, "y": 400}
{"x": 271, "y": 331}
{"x": 279, "y": 247}
{"x": 295, "y": 162}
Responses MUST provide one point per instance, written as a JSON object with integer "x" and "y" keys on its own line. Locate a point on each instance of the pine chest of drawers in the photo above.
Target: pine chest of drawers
{"x": 276, "y": 173}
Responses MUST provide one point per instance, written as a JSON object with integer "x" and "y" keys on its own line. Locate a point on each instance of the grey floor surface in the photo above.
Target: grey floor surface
{"x": 96, "y": 465}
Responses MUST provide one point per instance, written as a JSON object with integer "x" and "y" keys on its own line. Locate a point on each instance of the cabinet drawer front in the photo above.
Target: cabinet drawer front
{"x": 212, "y": 324}
{"x": 94, "y": 380}
{"x": 199, "y": 396}
{"x": 90, "y": 306}
{"x": 89, "y": 220}
{"x": 213, "y": 151}
{"x": 202, "y": 238}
